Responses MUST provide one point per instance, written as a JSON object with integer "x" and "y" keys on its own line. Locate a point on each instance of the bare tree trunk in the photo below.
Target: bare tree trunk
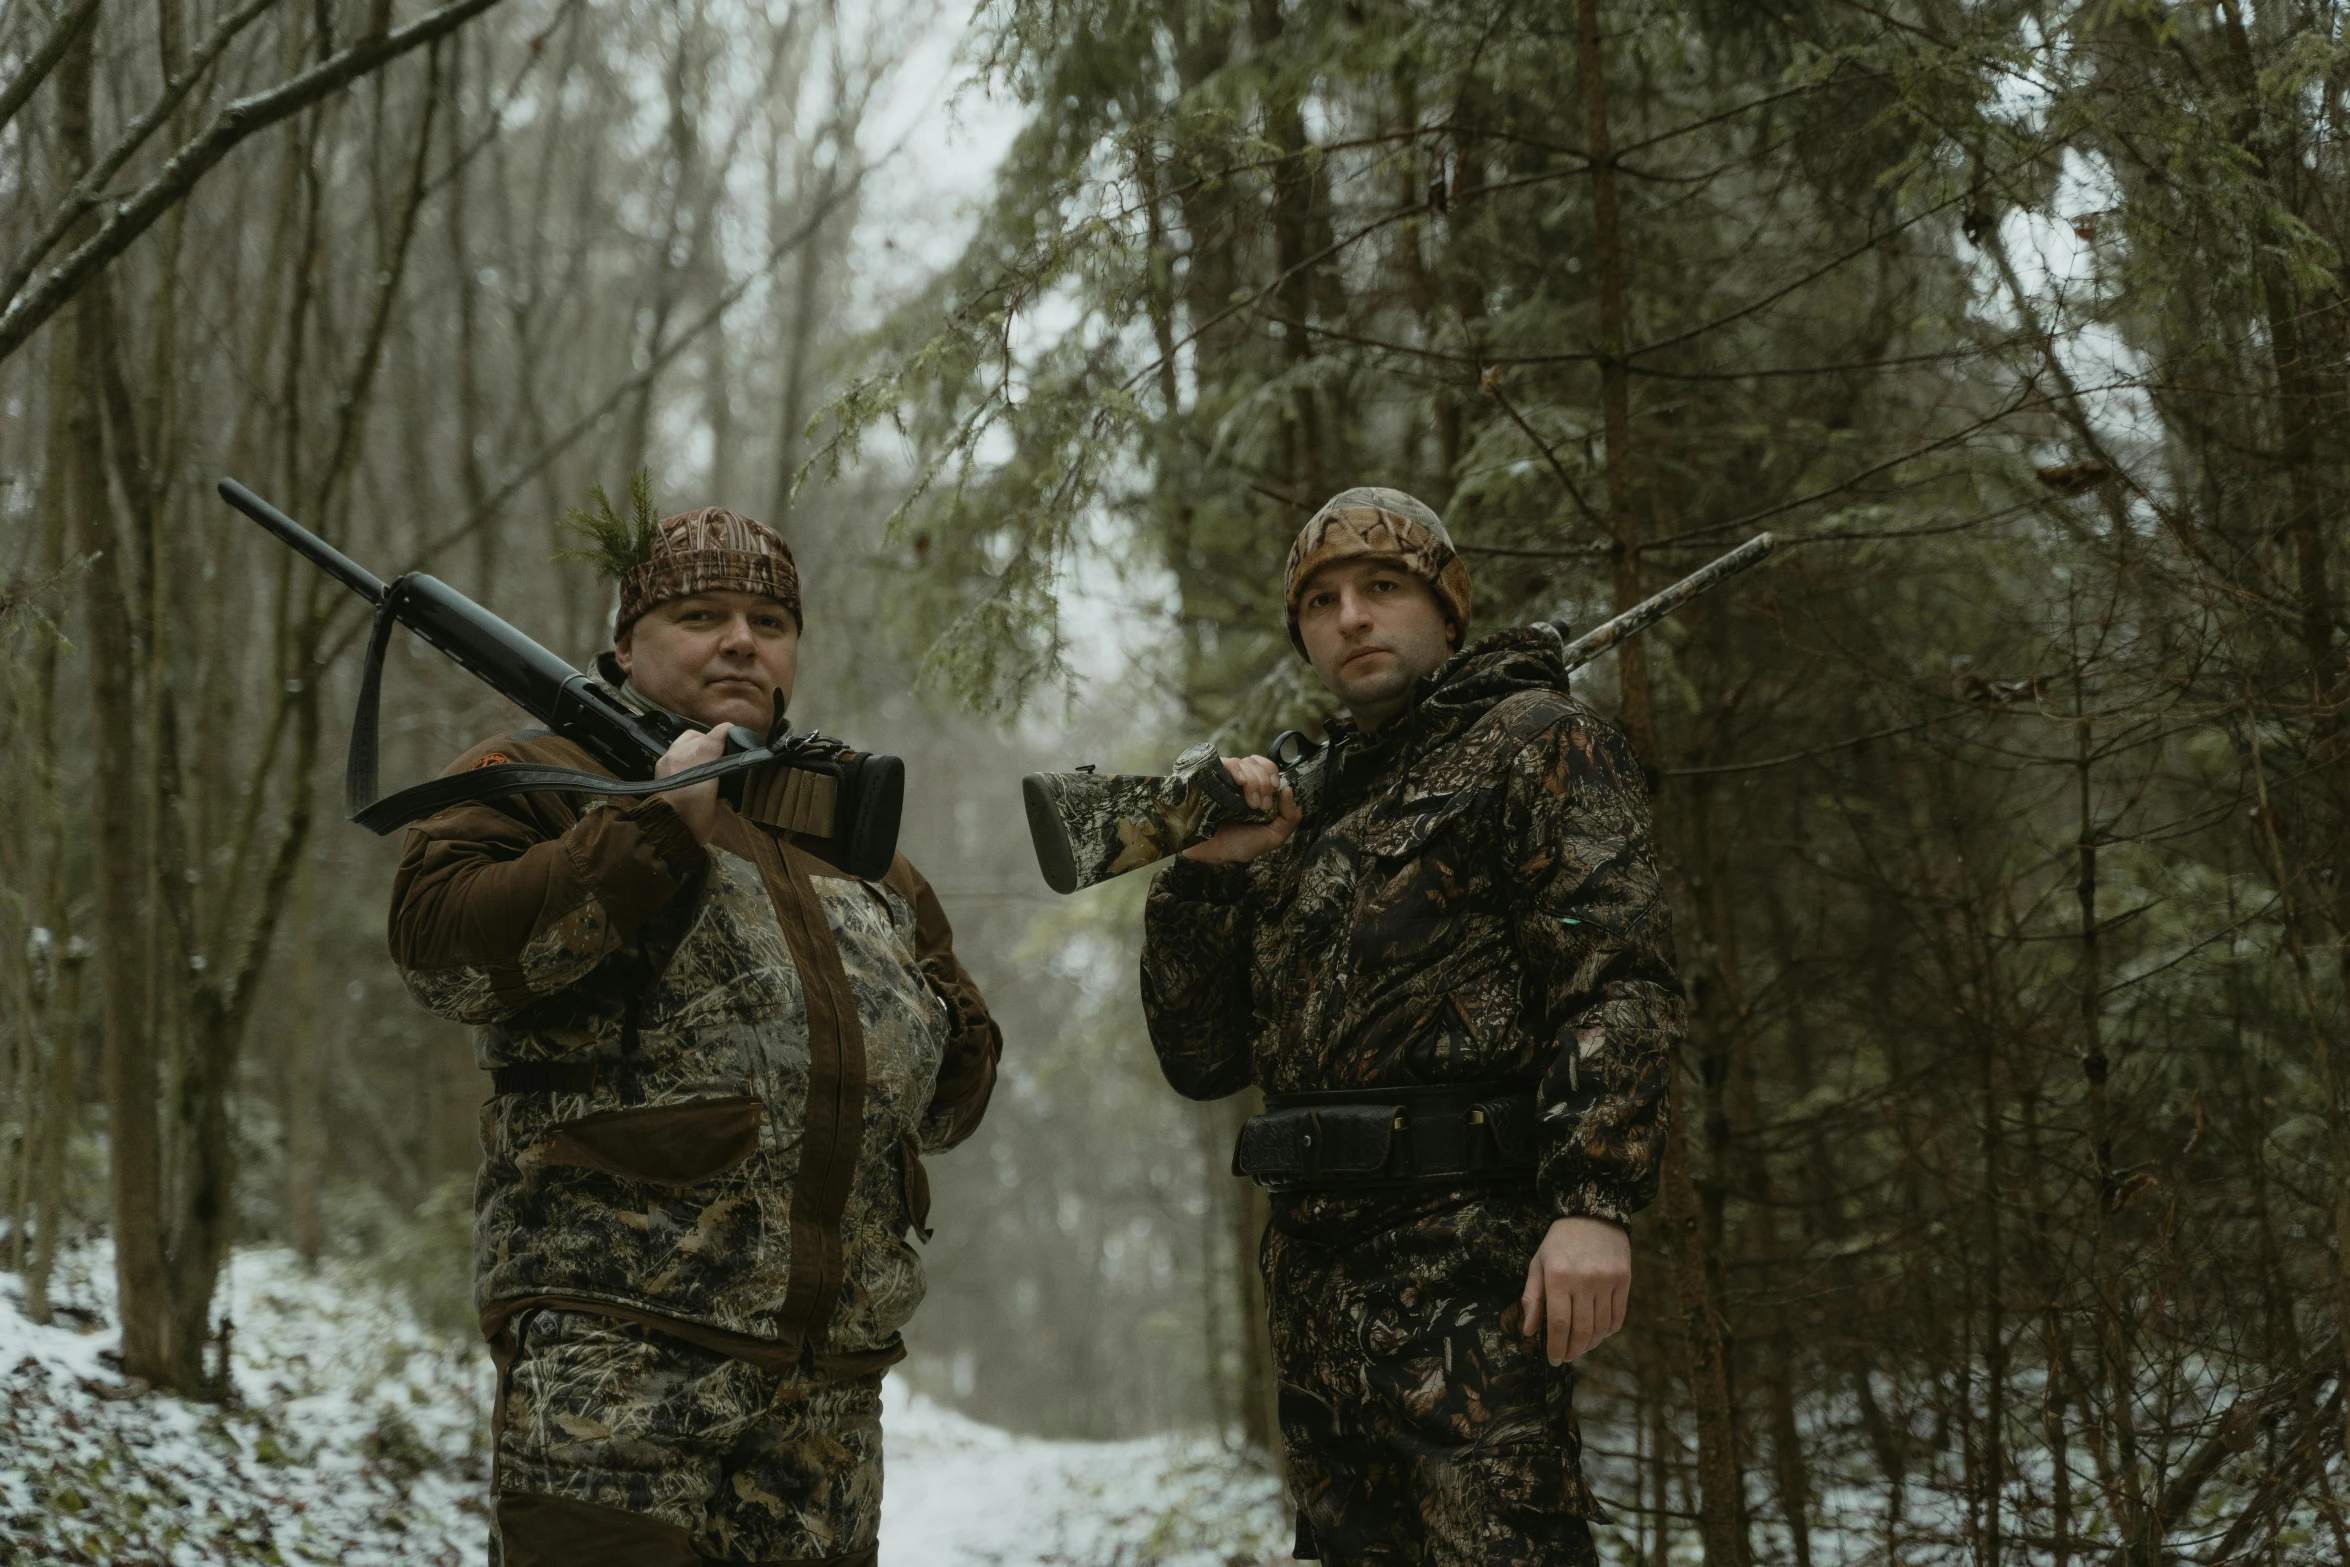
{"x": 799, "y": 352}
{"x": 119, "y": 863}
{"x": 305, "y": 1124}
{"x": 672, "y": 273}
{"x": 1706, "y": 1369}
{"x": 1721, "y": 1506}
{"x": 2118, "y": 1373}
{"x": 27, "y": 971}
{"x": 2303, "y": 401}
{"x": 59, "y": 1030}
{"x": 218, "y": 996}
{"x": 121, "y": 873}
{"x": 1293, "y": 294}
{"x": 47, "y": 965}
{"x": 1663, "y": 1441}
{"x": 53, "y": 1019}
{"x": 1245, "y": 1213}
{"x": 1615, "y": 377}
{"x": 1992, "y": 1271}
{"x": 472, "y": 428}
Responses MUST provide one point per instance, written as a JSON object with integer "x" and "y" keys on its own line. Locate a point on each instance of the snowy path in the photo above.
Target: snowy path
{"x": 357, "y": 1438}
{"x": 959, "y": 1492}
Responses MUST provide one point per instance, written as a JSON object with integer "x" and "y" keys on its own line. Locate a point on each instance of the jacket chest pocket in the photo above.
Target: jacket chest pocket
{"x": 1420, "y": 873}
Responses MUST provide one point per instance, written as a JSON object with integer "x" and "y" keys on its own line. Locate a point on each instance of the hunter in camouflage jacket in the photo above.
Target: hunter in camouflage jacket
{"x": 1479, "y": 901}
{"x": 775, "y": 1045}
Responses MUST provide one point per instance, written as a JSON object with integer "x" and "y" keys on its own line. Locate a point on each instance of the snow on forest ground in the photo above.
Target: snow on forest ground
{"x": 358, "y": 1436}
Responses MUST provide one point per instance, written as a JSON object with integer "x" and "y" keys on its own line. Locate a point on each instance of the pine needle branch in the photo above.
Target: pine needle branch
{"x": 613, "y": 544}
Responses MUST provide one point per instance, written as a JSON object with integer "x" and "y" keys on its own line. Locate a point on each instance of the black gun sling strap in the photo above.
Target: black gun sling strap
{"x": 484, "y": 783}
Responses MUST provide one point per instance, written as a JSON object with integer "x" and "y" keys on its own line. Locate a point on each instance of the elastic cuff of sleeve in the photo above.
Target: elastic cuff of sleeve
{"x": 1197, "y": 881}
{"x": 680, "y": 851}
{"x": 1587, "y": 1204}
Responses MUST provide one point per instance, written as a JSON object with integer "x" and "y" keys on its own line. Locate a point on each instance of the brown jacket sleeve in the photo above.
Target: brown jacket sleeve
{"x": 966, "y": 1073}
{"x": 504, "y": 901}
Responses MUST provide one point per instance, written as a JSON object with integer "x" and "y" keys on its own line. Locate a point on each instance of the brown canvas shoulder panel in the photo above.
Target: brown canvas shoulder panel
{"x": 476, "y": 883}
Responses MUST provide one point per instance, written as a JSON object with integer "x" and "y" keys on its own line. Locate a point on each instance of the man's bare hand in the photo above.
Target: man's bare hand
{"x": 699, "y": 803}
{"x": 1576, "y": 1286}
{"x": 1236, "y": 843}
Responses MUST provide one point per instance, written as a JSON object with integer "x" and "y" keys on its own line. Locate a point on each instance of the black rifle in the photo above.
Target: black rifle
{"x": 809, "y": 783}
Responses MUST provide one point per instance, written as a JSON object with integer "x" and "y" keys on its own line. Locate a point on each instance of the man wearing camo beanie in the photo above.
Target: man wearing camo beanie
{"x": 1456, "y": 988}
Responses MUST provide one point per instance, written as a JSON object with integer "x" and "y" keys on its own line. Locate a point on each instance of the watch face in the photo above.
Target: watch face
{"x": 1196, "y": 756}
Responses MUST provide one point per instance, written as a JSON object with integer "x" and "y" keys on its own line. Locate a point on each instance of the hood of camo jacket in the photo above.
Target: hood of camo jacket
{"x": 775, "y": 1044}
{"x": 1478, "y": 901}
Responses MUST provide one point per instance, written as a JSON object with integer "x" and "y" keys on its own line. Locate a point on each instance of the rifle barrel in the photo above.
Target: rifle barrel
{"x": 1649, "y": 611}
{"x": 321, "y": 554}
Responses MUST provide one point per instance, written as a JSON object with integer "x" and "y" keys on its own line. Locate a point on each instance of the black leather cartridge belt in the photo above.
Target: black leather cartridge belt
{"x": 1390, "y": 1137}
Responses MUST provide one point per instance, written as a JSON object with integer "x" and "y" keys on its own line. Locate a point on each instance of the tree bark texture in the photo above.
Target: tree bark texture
{"x": 1721, "y": 1486}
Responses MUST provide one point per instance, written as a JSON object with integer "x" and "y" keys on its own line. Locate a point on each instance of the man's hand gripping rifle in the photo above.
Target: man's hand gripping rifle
{"x": 807, "y": 783}
{"x": 1091, "y": 826}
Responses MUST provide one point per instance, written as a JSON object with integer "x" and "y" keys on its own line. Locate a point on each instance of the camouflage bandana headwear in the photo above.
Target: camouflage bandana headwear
{"x": 1388, "y": 525}
{"x": 708, "y": 551}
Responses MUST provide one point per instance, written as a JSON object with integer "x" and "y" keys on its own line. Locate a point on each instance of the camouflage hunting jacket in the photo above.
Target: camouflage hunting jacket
{"x": 1478, "y": 901}
{"x": 775, "y": 1044}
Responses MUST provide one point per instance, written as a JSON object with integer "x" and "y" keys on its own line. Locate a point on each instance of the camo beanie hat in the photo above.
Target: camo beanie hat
{"x": 1385, "y": 525}
{"x": 708, "y": 551}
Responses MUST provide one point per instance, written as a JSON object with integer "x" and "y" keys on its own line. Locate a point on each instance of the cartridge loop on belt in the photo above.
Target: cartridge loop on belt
{"x": 1368, "y": 1138}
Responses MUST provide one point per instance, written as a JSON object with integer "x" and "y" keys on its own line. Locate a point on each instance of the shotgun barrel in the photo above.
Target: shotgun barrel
{"x": 309, "y": 545}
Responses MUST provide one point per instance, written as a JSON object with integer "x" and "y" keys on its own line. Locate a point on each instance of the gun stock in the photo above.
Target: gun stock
{"x": 1089, "y": 826}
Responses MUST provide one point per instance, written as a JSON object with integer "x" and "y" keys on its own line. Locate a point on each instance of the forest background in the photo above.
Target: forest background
{"x": 2007, "y": 813}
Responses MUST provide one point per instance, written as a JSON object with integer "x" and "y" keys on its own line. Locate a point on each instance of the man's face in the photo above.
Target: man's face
{"x": 715, "y": 658}
{"x": 1371, "y": 630}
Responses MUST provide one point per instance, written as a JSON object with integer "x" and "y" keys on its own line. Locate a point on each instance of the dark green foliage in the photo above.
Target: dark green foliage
{"x": 613, "y": 544}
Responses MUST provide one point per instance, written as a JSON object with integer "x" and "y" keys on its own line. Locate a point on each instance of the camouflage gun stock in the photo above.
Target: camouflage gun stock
{"x": 1089, "y": 826}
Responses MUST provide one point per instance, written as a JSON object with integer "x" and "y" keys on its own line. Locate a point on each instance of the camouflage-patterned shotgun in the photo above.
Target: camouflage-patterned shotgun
{"x": 1091, "y": 826}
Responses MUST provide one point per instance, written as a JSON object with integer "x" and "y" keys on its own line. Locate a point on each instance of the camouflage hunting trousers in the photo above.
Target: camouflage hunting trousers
{"x": 617, "y": 1444}
{"x": 1422, "y": 1430}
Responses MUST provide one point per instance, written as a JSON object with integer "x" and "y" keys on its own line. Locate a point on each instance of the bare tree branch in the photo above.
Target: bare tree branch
{"x": 91, "y": 187}
{"x": 232, "y": 125}
{"x": 44, "y": 59}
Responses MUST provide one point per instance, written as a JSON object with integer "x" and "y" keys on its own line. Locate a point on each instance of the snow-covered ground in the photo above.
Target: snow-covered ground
{"x": 358, "y": 1436}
